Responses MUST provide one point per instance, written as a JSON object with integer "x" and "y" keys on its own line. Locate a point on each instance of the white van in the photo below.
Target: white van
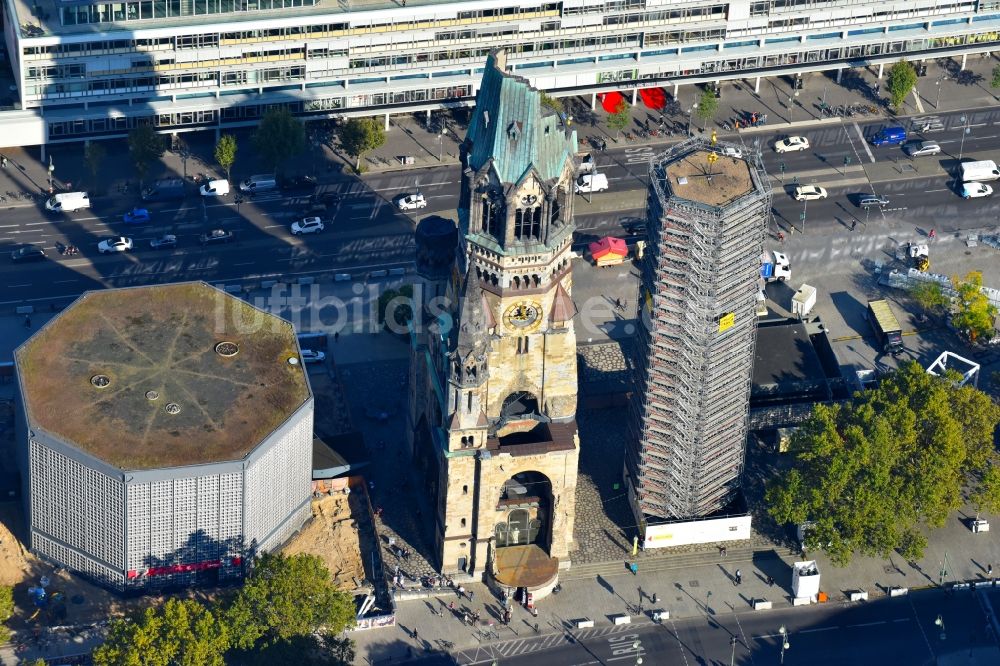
{"x": 978, "y": 172}
{"x": 215, "y": 188}
{"x": 67, "y": 202}
{"x": 591, "y": 182}
{"x": 259, "y": 183}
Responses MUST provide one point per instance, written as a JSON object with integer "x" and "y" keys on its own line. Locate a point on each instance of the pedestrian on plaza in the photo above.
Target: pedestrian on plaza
{"x": 604, "y": 145}
{"x": 461, "y": 591}
{"x": 781, "y": 238}
{"x": 27, "y": 321}
{"x": 634, "y": 568}
{"x": 770, "y": 582}
{"x": 854, "y": 225}
{"x": 415, "y": 637}
{"x": 336, "y": 336}
{"x": 753, "y": 118}
{"x": 989, "y": 570}
{"x": 534, "y": 612}
{"x": 654, "y": 597}
{"x": 931, "y": 235}
{"x": 722, "y": 551}
{"x": 471, "y": 595}
{"x": 451, "y": 606}
{"x": 739, "y": 577}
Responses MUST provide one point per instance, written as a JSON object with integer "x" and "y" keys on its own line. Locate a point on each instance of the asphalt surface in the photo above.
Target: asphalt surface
{"x": 366, "y": 232}
{"x": 899, "y": 630}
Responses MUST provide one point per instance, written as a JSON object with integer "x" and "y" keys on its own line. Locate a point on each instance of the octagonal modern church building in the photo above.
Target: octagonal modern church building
{"x": 165, "y": 435}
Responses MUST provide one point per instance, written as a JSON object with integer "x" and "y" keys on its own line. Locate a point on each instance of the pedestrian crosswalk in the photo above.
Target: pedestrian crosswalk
{"x": 530, "y": 644}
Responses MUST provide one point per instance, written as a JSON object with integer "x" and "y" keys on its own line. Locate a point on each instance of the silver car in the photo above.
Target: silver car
{"x": 922, "y": 148}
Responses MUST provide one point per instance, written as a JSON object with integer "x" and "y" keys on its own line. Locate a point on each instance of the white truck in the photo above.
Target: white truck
{"x": 774, "y": 266}
{"x": 979, "y": 172}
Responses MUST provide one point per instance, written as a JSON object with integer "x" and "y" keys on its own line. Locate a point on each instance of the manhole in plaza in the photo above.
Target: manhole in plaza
{"x": 100, "y": 381}
{"x": 694, "y": 583}
{"x": 888, "y": 569}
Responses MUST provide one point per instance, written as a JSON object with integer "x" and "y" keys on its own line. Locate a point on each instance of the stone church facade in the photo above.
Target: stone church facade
{"x": 493, "y": 386}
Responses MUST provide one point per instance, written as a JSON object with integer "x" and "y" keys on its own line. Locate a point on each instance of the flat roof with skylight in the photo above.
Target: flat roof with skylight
{"x": 162, "y": 376}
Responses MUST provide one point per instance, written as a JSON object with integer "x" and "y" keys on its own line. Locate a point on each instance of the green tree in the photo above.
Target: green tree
{"x": 708, "y": 106}
{"x": 144, "y": 146}
{"x": 930, "y": 296}
{"x": 225, "y": 153}
{"x": 179, "y": 633}
{"x": 93, "y": 156}
{"x": 553, "y": 103}
{"x": 399, "y": 302}
{"x": 6, "y": 611}
{"x": 279, "y": 137}
{"x": 901, "y": 80}
{"x": 873, "y": 473}
{"x": 974, "y": 313}
{"x": 359, "y": 135}
{"x": 620, "y": 118}
{"x": 286, "y": 597}
{"x": 987, "y": 495}
{"x": 995, "y": 81}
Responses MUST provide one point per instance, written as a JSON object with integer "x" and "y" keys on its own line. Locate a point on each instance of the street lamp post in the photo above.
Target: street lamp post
{"x": 51, "y": 170}
{"x": 732, "y": 656}
{"x": 694, "y": 107}
{"x": 965, "y": 131}
{"x": 441, "y": 144}
{"x": 940, "y": 624}
{"x": 937, "y": 98}
{"x": 784, "y": 642}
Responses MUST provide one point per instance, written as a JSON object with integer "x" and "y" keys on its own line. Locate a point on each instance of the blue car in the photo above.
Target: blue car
{"x": 136, "y": 216}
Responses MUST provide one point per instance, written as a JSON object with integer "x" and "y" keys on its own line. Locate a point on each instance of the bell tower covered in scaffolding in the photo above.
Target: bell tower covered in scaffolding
{"x": 706, "y": 216}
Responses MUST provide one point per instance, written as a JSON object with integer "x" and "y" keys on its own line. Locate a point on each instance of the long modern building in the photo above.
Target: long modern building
{"x": 706, "y": 219}
{"x": 165, "y": 436}
{"x": 87, "y": 68}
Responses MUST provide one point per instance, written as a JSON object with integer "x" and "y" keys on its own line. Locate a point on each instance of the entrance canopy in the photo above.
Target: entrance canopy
{"x": 653, "y": 98}
{"x": 610, "y": 101}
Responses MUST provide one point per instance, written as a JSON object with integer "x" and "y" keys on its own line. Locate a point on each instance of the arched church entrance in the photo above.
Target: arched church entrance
{"x": 526, "y": 499}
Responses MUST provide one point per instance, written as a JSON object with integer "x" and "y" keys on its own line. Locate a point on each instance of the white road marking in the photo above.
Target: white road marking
{"x": 865, "y": 624}
{"x": 944, "y": 189}
{"x": 814, "y": 631}
{"x": 861, "y": 136}
{"x": 64, "y": 281}
{"x": 15, "y": 286}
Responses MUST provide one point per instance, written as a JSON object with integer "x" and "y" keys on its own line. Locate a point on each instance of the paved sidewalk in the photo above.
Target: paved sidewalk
{"x": 687, "y": 591}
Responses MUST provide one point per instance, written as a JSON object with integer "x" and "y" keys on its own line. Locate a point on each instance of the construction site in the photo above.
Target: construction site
{"x": 707, "y": 209}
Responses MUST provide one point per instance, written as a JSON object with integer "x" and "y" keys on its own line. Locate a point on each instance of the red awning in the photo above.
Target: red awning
{"x": 611, "y": 100}
{"x": 654, "y": 98}
{"x": 608, "y": 245}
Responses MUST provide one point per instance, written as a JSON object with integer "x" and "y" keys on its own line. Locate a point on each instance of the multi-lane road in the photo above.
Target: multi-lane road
{"x": 902, "y": 630}
{"x": 366, "y": 232}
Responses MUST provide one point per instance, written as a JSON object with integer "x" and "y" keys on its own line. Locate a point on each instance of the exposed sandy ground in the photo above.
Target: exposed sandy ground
{"x": 333, "y": 535}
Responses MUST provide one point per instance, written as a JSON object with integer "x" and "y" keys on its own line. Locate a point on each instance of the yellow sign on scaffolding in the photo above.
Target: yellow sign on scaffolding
{"x": 715, "y": 137}
{"x": 727, "y": 321}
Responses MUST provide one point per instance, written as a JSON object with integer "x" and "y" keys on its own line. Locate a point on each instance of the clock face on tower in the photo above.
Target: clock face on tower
{"x": 523, "y": 316}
